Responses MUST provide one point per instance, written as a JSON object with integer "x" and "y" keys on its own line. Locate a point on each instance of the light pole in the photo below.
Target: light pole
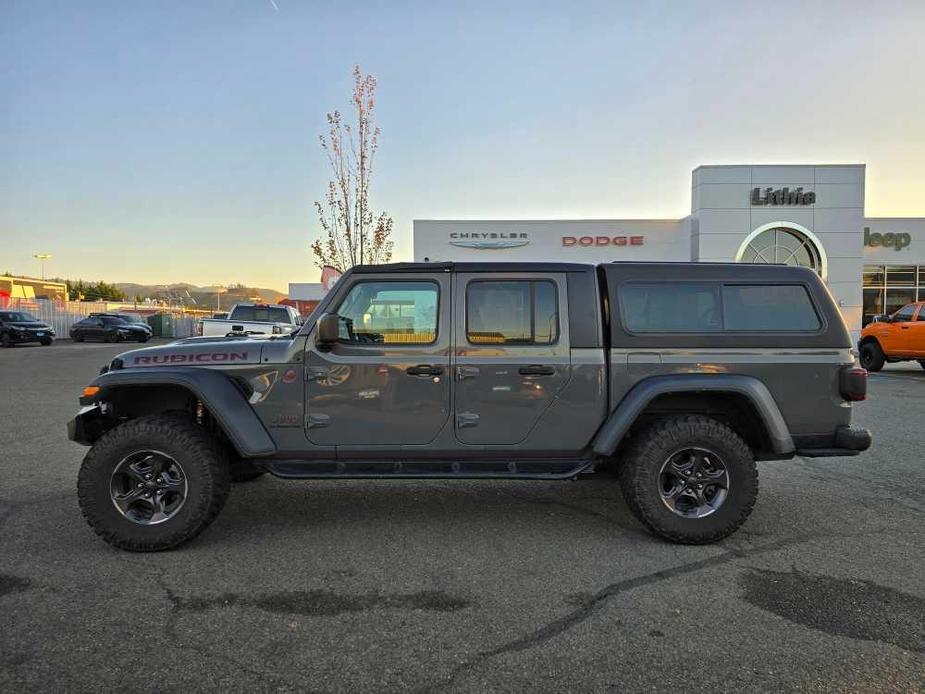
{"x": 42, "y": 257}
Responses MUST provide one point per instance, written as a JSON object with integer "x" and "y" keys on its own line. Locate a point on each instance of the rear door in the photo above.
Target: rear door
{"x": 511, "y": 353}
{"x": 386, "y": 381}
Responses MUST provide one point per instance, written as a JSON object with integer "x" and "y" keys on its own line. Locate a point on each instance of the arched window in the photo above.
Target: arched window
{"x": 782, "y": 244}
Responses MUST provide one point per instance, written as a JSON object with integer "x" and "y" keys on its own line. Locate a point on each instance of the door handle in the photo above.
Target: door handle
{"x": 536, "y": 370}
{"x": 424, "y": 370}
{"x": 903, "y": 327}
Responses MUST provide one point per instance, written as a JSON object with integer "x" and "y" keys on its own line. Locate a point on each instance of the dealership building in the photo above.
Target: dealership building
{"x": 799, "y": 215}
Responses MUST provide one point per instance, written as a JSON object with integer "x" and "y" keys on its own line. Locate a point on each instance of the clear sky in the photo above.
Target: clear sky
{"x": 177, "y": 141}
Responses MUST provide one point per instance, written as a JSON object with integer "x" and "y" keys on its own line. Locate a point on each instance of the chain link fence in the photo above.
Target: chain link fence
{"x": 61, "y": 315}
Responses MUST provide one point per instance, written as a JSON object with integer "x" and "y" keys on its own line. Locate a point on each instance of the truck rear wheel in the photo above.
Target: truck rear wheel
{"x": 153, "y": 483}
{"x": 689, "y": 479}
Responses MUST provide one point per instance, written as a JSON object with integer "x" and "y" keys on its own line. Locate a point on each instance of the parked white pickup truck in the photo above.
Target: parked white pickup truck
{"x": 253, "y": 319}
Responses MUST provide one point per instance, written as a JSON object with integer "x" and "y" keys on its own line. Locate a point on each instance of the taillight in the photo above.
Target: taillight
{"x": 852, "y": 383}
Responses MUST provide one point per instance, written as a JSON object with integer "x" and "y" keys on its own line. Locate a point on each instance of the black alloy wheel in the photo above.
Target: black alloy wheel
{"x": 693, "y": 482}
{"x": 148, "y": 487}
{"x": 5, "y": 340}
{"x": 689, "y": 479}
{"x": 153, "y": 483}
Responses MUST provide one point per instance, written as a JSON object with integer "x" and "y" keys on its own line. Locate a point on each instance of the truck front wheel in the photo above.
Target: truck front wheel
{"x": 153, "y": 483}
{"x": 689, "y": 479}
{"x": 872, "y": 357}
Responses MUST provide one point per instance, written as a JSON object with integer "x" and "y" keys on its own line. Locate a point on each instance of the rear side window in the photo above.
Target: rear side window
{"x": 512, "y": 312}
{"x": 690, "y": 307}
{"x": 771, "y": 308}
{"x": 671, "y": 307}
{"x": 260, "y": 314}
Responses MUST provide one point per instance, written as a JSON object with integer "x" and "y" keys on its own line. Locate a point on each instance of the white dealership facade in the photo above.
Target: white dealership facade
{"x": 806, "y": 215}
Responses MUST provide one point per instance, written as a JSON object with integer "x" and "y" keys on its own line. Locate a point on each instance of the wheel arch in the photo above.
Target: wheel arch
{"x": 659, "y": 394}
{"x": 137, "y": 392}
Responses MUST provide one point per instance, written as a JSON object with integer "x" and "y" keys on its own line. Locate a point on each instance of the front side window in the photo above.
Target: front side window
{"x": 670, "y": 307}
{"x": 904, "y": 314}
{"x": 512, "y": 312}
{"x": 390, "y": 313}
{"x": 774, "y": 308}
{"x": 17, "y": 317}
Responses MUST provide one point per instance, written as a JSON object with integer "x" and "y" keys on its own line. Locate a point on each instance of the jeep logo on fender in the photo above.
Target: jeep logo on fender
{"x": 603, "y": 240}
{"x": 781, "y": 196}
{"x": 201, "y": 358}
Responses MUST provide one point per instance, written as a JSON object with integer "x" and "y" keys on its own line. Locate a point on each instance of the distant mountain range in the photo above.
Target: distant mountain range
{"x": 193, "y": 295}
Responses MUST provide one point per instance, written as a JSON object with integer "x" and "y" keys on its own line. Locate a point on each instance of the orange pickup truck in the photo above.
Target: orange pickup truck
{"x": 897, "y": 337}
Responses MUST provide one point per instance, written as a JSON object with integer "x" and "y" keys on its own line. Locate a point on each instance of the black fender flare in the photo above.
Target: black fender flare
{"x": 221, "y": 397}
{"x": 637, "y": 399}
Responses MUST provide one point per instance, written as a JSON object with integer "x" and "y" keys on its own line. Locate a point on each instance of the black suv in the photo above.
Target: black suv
{"x": 18, "y": 327}
{"x": 110, "y": 327}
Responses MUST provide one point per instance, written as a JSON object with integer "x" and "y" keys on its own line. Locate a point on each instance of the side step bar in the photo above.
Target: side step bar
{"x": 427, "y": 469}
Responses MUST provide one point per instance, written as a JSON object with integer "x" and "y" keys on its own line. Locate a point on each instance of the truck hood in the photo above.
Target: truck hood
{"x": 204, "y": 352}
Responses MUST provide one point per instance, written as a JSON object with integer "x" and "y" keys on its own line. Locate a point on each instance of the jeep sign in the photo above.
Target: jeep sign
{"x": 889, "y": 240}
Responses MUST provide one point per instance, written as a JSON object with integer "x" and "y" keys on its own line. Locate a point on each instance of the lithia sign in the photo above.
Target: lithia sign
{"x": 782, "y": 196}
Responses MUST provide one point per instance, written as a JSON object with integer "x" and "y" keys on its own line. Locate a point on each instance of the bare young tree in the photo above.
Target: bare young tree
{"x": 352, "y": 233}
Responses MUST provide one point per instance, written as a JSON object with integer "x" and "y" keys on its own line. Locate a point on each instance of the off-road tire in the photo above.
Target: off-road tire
{"x": 244, "y": 471}
{"x": 872, "y": 357}
{"x": 204, "y": 464}
{"x": 639, "y": 470}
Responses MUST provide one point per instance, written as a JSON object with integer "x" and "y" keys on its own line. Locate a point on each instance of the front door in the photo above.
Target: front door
{"x": 511, "y": 353}
{"x": 898, "y": 339}
{"x": 386, "y": 381}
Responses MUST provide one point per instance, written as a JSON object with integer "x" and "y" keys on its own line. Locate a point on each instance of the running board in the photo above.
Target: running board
{"x": 428, "y": 469}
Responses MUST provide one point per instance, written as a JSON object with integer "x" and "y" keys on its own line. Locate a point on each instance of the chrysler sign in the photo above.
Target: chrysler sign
{"x": 488, "y": 240}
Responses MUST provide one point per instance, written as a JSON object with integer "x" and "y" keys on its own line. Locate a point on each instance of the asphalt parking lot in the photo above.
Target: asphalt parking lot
{"x": 463, "y": 586}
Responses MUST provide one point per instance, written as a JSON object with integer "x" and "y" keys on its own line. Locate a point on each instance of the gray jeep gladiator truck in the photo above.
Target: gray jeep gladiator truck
{"x": 676, "y": 376}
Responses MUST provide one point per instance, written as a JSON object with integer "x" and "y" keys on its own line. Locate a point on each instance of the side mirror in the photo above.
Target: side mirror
{"x": 328, "y": 328}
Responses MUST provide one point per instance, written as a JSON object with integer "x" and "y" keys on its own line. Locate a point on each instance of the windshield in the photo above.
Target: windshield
{"x": 18, "y": 317}
{"x": 261, "y": 314}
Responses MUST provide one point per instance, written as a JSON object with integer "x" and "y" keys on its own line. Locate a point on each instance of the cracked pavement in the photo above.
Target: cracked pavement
{"x": 372, "y": 586}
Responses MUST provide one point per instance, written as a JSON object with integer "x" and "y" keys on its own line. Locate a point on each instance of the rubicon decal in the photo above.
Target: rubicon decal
{"x": 181, "y": 358}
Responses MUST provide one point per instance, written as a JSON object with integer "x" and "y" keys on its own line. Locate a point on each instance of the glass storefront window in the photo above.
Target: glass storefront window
{"x": 900, "y": 276}
{"x": 874, "y": 276}
{"x": 887, "y": 288}
{"x": 896, "y": 298}
{"x": 873, "y": 304}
